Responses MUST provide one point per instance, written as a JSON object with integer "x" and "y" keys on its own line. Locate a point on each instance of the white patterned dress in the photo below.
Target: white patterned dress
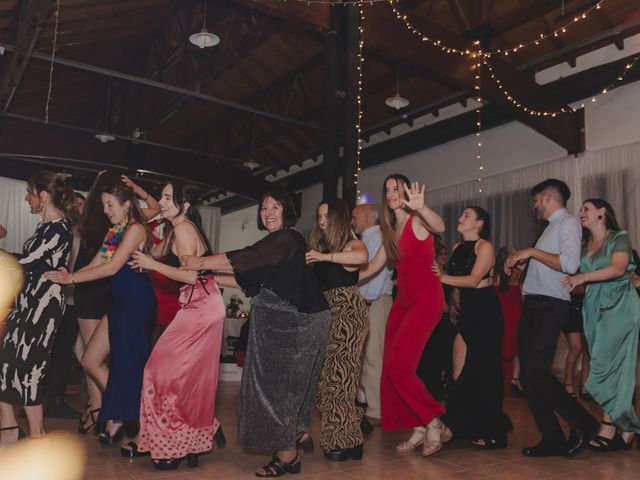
{"x": 30, "y": 329}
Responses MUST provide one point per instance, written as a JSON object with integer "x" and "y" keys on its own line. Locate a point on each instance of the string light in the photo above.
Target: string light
{"x": 333, "y": 2}
{"x": 505, "y": 51}
{"x": 477, "y": 90}
{"x": 545, "y": 113}
{"x": 356, "y": 176}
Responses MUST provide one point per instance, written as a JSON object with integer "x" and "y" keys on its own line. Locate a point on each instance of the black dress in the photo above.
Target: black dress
{"x": 31, "y": 327}
{"x": 474, "y": 408}
{"x": 288, "y": 330}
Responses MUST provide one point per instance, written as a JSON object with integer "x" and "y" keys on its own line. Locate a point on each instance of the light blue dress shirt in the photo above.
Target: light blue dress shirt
{"x": 380, "y": 283}
{"x": 563, "y": 237}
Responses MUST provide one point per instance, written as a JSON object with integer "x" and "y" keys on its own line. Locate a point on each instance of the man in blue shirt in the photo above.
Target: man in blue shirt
{"x": 377, "y": 293}
{"x": 546, "y": 309}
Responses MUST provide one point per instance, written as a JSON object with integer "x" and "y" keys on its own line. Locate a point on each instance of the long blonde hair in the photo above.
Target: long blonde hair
{"x": 338, "y": 231}
{"x": 388, "y": 218}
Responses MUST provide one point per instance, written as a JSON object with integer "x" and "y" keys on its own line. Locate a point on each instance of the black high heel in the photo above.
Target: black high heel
{"x": 93, "y": 416}
{"x": 620, "y": 444}
{"x": 573, "y": 394}
{"x": 173, "y": 463}
{"x": 107, "y": 439}
{"x": 219, "y": 438}
{"x": 132, "y": 451}
{"x": 490, "y": 443}
{"x": 277, "y": 468}
{"x": 306, "y": 444}
{"x": 603, "y": 444}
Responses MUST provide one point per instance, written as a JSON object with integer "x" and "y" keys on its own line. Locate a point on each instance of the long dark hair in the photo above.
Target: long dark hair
{"x": 62, "y": 195}
{"x": 187, "y": 193}
{"x": 95, "y": 224}
{"x": 338, "y": 231}
{"x": 387, "y": 217}
{"x": 610, "y": 221}
{"x": 123, "y": 193}
{"x": 482, "y": 215}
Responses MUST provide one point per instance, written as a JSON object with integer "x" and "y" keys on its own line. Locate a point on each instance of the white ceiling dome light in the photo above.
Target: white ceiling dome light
{"x": 204, "y": 38}
{"x": 397, "y": 101}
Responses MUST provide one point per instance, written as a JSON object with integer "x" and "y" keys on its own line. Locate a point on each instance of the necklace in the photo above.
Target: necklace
{"x": 112, "y": 240}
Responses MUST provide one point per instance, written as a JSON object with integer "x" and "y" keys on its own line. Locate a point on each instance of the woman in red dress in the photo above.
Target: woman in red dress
{"x": 407, "y": 236}
{"x": 510, "y": 296}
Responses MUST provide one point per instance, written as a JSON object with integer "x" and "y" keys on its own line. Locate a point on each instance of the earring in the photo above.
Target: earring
{"x": 599, "y": 217}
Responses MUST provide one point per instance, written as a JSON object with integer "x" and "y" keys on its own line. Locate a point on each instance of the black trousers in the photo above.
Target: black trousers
{"x": 543, "y": 318}
{"x": 59, "y": 371}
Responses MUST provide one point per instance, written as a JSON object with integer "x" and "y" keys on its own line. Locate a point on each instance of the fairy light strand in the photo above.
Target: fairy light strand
{"x": 478, "y": 94}
{"x": 505, "y": 51}
{"x": 545, "y": 113}
{"x": 359, "y": 100}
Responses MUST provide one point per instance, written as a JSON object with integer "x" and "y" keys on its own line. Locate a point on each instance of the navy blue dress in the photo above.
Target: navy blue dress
{"x": 130, "y": 316}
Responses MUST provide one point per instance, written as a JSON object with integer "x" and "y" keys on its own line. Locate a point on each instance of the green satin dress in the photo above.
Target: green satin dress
{"x": 611, "y": 312}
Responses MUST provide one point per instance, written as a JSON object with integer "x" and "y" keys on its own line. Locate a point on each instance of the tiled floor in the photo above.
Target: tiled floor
{"x": 457, "y": 461}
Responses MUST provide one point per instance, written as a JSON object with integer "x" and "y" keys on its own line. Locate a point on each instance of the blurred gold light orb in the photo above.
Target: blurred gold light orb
{"x": 11, "y": 282}
{"x": 57, "y": 456}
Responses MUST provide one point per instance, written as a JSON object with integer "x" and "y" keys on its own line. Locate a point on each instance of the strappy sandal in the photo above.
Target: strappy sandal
{"x": 437, "y": 435}
{"x": 306, "y": 444}
{"x": 584, "y": 394}
{"x": 621, "y": 444}
{"x": 277, "y": 468}
{"x": 488, "y": 443}
{"x": 130, "y": 450}
{"x": 603, "y": 444}
{"x": 416, "y": 439}
{"x": 573, "y": 394}
{"x": 93, "y": 416}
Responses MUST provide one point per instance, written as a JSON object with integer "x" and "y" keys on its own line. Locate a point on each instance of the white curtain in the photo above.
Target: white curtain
{"x": 15, "y": 215}
{"x": 211, "y": 225}
{"x": 612, "y": 174}
{"x": 20, "y": 224}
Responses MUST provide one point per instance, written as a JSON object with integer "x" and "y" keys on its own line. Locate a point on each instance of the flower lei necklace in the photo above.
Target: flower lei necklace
{"x": 112, "y": 240}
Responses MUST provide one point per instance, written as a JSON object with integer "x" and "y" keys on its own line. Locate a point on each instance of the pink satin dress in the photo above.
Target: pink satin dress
{"x": 177, "y": 408}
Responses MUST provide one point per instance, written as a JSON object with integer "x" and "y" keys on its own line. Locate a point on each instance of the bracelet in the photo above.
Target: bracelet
{"x": 331, "y": 258}
{"x": 73, "y": 282}
{"x": 201, "y": 263}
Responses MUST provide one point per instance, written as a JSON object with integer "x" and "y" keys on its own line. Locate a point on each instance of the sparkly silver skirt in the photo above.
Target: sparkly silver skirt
{"x": 282, "y": 368}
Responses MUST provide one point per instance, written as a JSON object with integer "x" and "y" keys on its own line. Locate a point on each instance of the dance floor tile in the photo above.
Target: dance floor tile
{"x": 458, "y": 460}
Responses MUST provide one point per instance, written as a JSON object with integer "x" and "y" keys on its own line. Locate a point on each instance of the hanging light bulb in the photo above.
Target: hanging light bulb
{"x": 397, "y": 101}
{"x": 204, "y": 38}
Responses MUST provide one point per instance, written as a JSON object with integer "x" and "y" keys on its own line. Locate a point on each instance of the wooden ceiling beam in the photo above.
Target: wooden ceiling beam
{"x": 315, "y": 16}
{"x": 566, "y": 130}
{"x": 21, "y": 136}
{"x": 30, "y": 22}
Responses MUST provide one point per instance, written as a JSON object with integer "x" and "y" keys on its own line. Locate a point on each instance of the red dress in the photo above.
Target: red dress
{"x": 167, "y": 290}
{"x": 511, "y": 303}
{"x": 416, "y": 311}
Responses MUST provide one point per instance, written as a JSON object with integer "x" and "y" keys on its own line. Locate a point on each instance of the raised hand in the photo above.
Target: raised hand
{"x": 415, "y": 196}
{"x": 131, "y": 184}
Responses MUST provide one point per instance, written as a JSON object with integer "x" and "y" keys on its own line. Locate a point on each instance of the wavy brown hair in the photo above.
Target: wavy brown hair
{"x": 388, "y": 218}
{"x": 122, "y": 193}
{"x": 95, "y": 224}
{"x": 338, "y": 231}
{"x": 62, "y": 195}
{"x": 610, "y": 221}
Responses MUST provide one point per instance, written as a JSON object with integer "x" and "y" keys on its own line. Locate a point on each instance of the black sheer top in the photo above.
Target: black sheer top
{"x": 277, "y": 262}
{"x": 333, "y": 275}
{"x": 463, "y": 259}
